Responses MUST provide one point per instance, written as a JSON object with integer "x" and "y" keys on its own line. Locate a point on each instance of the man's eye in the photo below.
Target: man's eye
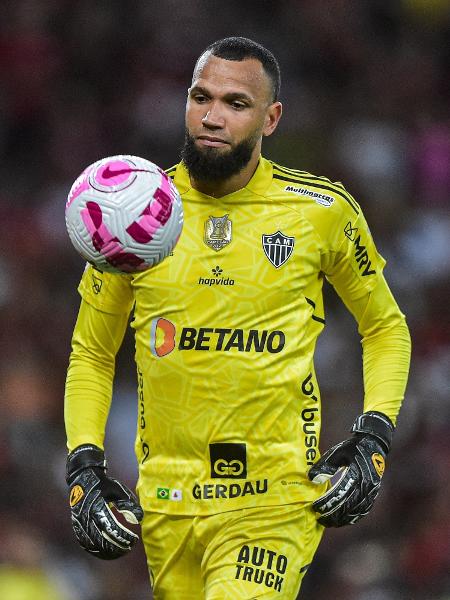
{"x": 200, "y": 99}
{"x": 238, "y": 105}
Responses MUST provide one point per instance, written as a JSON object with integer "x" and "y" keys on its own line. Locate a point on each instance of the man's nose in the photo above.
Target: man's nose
{"x": 214, "y": 118}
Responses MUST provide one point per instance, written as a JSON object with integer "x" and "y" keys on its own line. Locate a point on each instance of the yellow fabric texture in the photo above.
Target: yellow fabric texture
{"x": 251, "y": 553}
{"x": 228, "y": 402}
{"x": 25, "y": 584}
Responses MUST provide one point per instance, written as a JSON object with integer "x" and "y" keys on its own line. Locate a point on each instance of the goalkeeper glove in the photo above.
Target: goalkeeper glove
{"x": 92, "y": 495}
{"x": 355, "y": 468}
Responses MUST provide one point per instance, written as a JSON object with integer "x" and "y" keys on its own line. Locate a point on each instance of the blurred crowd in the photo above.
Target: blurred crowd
{"x": 366, "y": 93}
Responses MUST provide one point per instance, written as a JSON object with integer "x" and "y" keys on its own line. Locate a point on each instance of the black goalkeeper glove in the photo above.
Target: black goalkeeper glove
{"x": 355, "y": 468}
{"x": 92, "y": 497}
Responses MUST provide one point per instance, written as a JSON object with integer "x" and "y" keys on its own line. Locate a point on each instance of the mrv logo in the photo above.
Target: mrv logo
{"x": 361, "y": 254}
{"x": 164, "y": 337}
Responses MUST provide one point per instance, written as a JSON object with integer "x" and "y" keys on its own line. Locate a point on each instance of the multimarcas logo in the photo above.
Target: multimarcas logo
{"x": 164, "y": 337}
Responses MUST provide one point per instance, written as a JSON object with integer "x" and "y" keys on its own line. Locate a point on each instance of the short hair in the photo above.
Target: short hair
{"x": 240, "y": 48}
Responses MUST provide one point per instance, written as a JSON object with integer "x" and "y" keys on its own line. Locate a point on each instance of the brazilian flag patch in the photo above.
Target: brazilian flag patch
{"x": 162, "y": 493}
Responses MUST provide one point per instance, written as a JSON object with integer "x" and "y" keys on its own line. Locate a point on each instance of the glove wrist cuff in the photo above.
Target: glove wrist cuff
{"x": 376, "y": 424}
{"x": 83, "y": 457}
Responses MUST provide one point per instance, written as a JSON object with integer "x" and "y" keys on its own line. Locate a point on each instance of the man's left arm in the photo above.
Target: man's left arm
{"x": 356, "y": 465}
{"x": 386, "y": 348}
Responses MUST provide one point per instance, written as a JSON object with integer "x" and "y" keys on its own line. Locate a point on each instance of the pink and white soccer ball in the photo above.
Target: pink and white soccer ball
{"x": 124, "y": 214}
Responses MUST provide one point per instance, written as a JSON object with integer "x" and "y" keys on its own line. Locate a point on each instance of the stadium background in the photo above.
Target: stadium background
{"x": 366, "y": 98}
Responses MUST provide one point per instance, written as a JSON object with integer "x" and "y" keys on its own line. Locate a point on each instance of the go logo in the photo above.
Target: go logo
{"x": 224, "y": 468}
{"x": 228, "y": 460}
{"x": 162, "y": 337}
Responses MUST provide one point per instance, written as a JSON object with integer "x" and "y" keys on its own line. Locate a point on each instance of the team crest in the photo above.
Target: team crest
{"x": 278, "y": 247}
{"x": 217, "y": 232}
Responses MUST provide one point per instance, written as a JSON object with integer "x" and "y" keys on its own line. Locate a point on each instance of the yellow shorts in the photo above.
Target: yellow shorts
{"x": 243, "y": 554}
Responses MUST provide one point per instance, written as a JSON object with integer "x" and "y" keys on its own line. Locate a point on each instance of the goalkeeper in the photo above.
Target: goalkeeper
{"x": 232, "y": 494}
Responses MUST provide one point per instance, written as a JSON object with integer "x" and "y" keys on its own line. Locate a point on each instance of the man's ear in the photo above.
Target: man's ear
{"x": 273, "y": 115}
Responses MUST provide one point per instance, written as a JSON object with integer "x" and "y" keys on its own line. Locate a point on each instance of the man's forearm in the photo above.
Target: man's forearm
{"x": 87, "y": 402}
{"x": 96, "y": 340}
{"x": 386, "y": 357}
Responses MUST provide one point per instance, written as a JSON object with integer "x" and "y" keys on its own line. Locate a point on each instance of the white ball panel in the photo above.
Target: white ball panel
{"x": 119, "y": 209}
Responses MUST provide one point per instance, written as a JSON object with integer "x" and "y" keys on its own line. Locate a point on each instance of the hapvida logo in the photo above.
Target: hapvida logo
{"x": 217, "y": 279}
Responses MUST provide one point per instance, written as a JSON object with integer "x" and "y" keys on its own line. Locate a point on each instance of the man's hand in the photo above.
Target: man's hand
{"x": 355, "y": 468}
{"x": 93, "y": 495}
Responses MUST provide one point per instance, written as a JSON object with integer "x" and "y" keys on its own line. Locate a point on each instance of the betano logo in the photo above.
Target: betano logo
{"x": 163, "y": 339}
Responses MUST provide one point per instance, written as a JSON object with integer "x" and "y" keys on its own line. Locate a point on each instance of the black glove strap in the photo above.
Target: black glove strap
{"x": 82, "y": 457}
{"x": 376, "y": 424}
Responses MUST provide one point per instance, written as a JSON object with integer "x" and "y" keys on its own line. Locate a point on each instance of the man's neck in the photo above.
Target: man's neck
{"x": 218, "y": 189}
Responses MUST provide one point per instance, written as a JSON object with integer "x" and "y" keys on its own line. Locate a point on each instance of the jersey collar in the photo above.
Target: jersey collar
{"x": 258, "y": 184}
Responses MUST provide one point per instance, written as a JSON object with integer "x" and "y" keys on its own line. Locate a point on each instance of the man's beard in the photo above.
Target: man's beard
{"x": 212, "y": 164}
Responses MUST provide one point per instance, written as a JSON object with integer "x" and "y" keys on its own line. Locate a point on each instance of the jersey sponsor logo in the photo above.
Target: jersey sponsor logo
{"x": 223, "y": 339}
{"x": 217, "y": 279}
{"x": 278, "y": 247}
{"x": 261, "y": 565}
{"x": 223, "y": 468}
{"x": 361, "y": 254}
{"x": 310, "y": 421}
{"x": 145, "y": 448}
{"x": 164, "y": 338}
{"x": 322, "y": 199}
{"x": 209, "y": 491}
{"x": 228, "y": 461}
{"x": 350, "y": 232}
{"x": 217, "y": 232}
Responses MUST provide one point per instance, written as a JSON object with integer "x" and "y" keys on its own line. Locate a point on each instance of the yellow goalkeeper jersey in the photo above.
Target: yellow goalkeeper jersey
{"x": 229, "y": 408}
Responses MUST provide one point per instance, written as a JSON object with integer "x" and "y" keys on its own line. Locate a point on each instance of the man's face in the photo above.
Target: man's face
{"x": 229, "y": 108}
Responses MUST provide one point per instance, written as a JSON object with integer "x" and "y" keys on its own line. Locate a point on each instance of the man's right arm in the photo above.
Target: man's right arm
{"x": 98, "y": 334}
{"x": 96, "y": 339}
{"x": 96, "y": 498}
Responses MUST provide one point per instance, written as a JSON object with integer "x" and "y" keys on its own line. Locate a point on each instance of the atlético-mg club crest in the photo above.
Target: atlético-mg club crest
{"x": 278, "y": 247}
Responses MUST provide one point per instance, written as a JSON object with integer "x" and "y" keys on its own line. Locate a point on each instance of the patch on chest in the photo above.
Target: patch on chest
{"x": 278, "y": 247}
{"x": 217, "y": 232}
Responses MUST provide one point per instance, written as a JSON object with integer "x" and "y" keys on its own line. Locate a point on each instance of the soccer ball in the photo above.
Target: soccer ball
{"x": 124, "y": 214}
